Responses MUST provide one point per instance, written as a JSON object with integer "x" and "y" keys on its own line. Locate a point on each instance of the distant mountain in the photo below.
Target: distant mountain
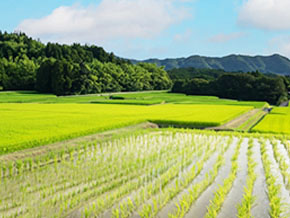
{"x": 266, "y": 64}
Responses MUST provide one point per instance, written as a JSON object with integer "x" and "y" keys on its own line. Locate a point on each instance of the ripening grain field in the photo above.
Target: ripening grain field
{"x": 28, "y": 125}
{"x": 154, "y": 173}
{"x": 278, "y": 121}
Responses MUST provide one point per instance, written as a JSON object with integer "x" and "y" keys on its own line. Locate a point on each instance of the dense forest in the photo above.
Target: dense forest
{"x": 252, "y": 86}
{"x": 27, "y": 64}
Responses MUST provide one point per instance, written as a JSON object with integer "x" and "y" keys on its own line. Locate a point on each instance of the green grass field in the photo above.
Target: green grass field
{"x": 186, "y": 99}
{"x": 28, "y": 125}
{"x": 278, "y": 121}
{"x": 24, "y": 97}
{"x": 141, "y": 98}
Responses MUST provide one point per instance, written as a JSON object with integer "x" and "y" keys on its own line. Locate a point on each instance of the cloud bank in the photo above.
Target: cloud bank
{"x": 111, "y": 19}
{"x": 266, "y": 14}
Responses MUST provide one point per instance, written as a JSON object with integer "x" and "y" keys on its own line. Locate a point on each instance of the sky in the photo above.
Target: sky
{"x": 142, "y": 29}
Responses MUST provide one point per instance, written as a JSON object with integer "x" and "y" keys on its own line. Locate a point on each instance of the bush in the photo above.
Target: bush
{"x": 116, "y": 97}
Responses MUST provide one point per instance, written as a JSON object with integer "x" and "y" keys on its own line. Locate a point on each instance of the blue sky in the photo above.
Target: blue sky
{"x": 144, "y": 29}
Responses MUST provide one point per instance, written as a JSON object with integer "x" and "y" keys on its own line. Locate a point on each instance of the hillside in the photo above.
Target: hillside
{"x": 266, "y": 64}
{"x": 27, "y": 64}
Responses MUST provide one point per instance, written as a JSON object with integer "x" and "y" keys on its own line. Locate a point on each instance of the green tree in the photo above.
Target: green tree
{"x": 62, "y": 78}
{"x": 44, "y": 76}
{"x": 159, "y": 77}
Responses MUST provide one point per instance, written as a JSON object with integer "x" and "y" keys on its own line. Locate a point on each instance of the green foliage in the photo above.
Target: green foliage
{"x": 44, "y": 76}
{"x": 241, "y": 86}
{"x": 26, "y": 64}
{"x": 18, "y": 74}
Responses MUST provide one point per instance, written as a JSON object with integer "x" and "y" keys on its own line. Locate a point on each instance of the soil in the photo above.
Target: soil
{"x": 236, "y": 123}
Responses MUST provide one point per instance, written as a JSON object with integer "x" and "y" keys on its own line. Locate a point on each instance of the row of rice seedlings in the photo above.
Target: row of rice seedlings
{"x": 100, "y": 158}
{"x": 137, "y": 176}
{"x": 93, "y": 191}
{"x": 283, "y": 165}
{"x": 170, "y": 191}
{"x": 151, "y": 210}
{"x": 274, "y": 189}
{"x": 286, "y": 144}
{"x": 150, "y": 188}
{"x": 194, "y": 192}
{"x": 223, "y": 190}
{"x": 244, "y": 208}
{"x": 87, "y": 187}
{"x": 73, "y": 180}
{"x": 147, "y": 179}
{"x": 11, "y": 168}
{"x": 92, "y": 168}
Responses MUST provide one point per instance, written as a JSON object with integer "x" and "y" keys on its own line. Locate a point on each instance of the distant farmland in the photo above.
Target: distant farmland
{"x": 29, "y": 125}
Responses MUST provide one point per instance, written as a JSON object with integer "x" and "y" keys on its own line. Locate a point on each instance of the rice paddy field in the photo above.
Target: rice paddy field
{"x": 278, "y": 121}
{"x": 67, "y": 157}
{"x": 154, "y": 173}
{"x": 28, "y": 125}
{"x": 138, "y": 98}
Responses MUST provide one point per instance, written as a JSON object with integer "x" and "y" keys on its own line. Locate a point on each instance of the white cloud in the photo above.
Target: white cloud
{"x": 266, "y": 14}
{"x": 223, "y": 38}
{"x": 111, "y": 19}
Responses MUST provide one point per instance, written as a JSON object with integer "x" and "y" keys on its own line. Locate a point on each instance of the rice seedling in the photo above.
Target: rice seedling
{"x": 140, "y": 174}
{"x": 244, "y": 208}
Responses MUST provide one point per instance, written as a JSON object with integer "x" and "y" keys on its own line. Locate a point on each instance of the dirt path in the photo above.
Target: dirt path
{"x": 42, "y": 150}
{"x": 236, "y": 123}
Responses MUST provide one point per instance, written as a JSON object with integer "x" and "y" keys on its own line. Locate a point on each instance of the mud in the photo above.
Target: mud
{"x": 199, "y": 209}
{"x": 235, "y": 196}
{"x": 261, "y": 206}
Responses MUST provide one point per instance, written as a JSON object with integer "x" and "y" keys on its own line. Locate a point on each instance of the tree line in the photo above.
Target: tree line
{"x": 252, "y": 86}
{"x": 27, "y": 64}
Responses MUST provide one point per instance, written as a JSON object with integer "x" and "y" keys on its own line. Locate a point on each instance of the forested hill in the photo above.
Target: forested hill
{"x": 27, "y": 64}
{"x": 266, "y": 64}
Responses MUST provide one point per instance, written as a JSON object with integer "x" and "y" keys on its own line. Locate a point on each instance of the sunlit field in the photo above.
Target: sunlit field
{"x": 28, "y": 125}
{"x": 278, "y": 121}
{"x": 139, "y": 98}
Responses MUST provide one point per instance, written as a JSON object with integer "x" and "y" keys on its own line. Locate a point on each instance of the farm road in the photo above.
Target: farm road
{"x": 236, "y": 123}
